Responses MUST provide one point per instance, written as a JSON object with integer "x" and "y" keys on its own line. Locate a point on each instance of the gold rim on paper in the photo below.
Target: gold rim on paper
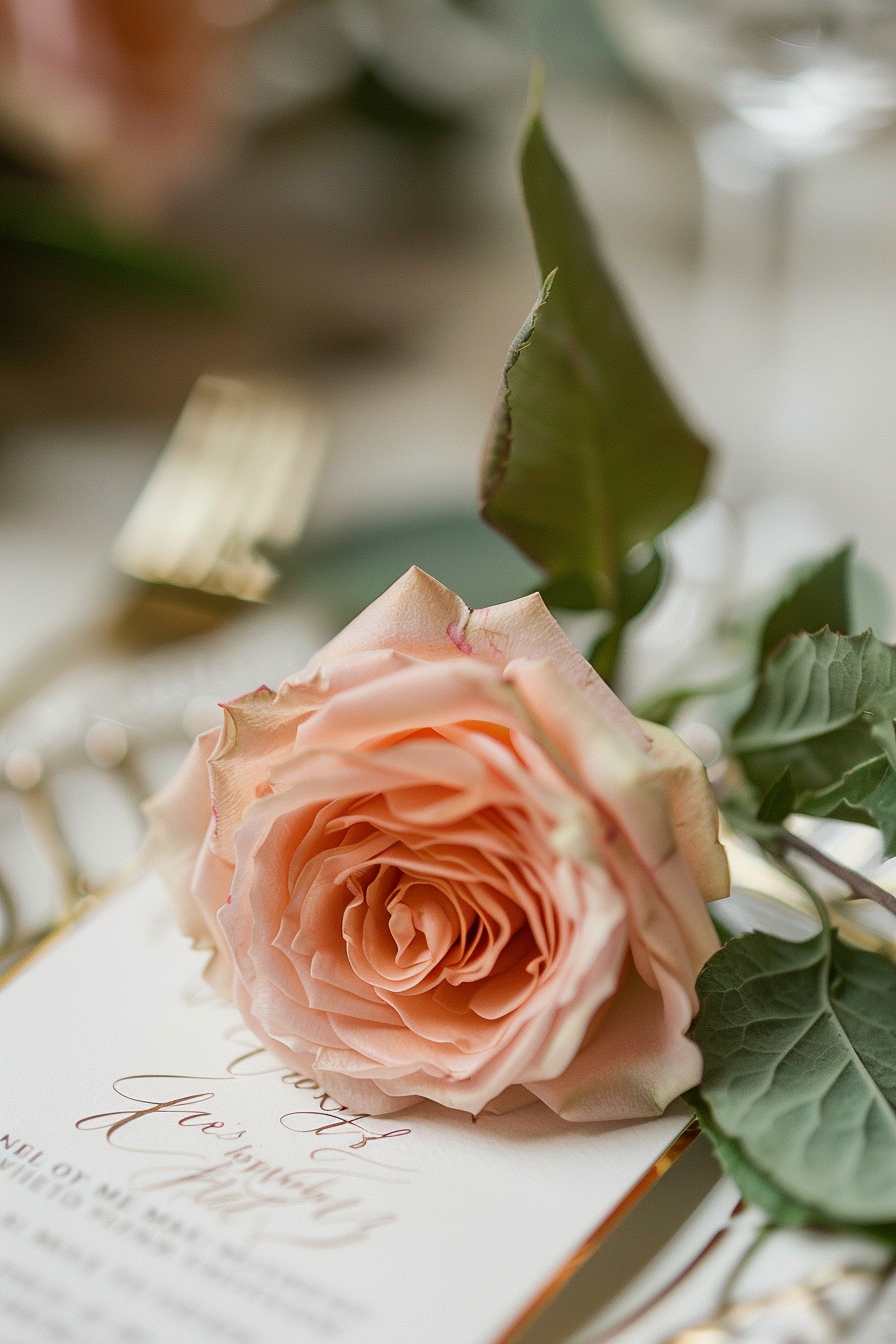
{"x": 84, "y": 908}
{"x": 600, "y": 1233}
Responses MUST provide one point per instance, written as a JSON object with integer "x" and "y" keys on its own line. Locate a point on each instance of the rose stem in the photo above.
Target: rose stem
{"x": 859, "y": 886}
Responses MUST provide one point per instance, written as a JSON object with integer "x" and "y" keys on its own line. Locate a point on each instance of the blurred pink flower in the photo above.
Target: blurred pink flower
{"x": 123, "y": 96}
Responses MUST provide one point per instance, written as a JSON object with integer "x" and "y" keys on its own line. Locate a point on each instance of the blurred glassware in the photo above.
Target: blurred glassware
{"x": 452, "y": 54}
{"x": 436, "y": 56}
{"x": 765, "y": 84}
{"x": 765, "y": 87}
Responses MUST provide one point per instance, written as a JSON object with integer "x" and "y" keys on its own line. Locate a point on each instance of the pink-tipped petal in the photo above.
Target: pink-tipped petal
{"x": 420, "y": 616}
{"x": 414, "y": 616}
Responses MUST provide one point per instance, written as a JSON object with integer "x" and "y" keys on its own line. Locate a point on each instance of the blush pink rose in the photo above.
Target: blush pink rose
{"x": 445, "y": 862}
{"x": 123, "y": 97}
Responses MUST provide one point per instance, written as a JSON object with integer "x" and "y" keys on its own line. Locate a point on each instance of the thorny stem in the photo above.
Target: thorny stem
{"x": 860, "y": 886}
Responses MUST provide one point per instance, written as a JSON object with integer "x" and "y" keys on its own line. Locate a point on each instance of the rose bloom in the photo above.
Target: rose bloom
{"x": 445, "y": 862}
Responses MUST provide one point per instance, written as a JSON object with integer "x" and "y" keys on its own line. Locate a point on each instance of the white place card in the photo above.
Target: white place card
{"x": 164, "y": 1181}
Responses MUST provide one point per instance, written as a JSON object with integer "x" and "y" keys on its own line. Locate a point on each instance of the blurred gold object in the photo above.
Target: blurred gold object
{"x": 238, "y": 474}
{"x": 801, "y": 1313}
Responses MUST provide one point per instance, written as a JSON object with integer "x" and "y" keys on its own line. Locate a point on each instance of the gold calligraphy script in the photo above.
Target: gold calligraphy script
{"x": 331, "y": 1196}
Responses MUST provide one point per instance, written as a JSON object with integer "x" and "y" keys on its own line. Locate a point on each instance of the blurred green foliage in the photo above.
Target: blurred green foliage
{"x": 347, "y": 572}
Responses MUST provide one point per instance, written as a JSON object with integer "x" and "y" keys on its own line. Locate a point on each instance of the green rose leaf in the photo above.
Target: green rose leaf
{"x": 588, "y": 458}
{"x": 755, "y": 1188}
{"x": 799, "y": 1086}
{"x": 866, "y": 794}
{"x": 820, "y": 596}
{"x": 819, "y": 736}
{"x": 759, "y": 1190}
{"x": 824, "y": 705}
{"x": 780, "y": 799}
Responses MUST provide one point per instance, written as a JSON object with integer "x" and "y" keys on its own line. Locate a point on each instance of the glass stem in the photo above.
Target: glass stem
{"x": 741, "y": 303}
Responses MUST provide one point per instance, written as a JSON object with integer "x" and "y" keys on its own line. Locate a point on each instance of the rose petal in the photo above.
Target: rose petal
{"x": 695, "y": 813}
{"x": 607, "y": 763}
{"x": 419, "y": 616}
{"x": 635, "y": 1064}
{"x": 260, "y": 728}
{"x": 178, "y": 819}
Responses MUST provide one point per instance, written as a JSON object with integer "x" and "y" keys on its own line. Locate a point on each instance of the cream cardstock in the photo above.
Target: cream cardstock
{"x": 163, "y": 1181}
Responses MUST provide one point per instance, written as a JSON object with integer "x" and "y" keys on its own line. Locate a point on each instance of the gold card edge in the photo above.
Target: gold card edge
{"x": 37, "y": 950}
{"x": 609, "y": 1224}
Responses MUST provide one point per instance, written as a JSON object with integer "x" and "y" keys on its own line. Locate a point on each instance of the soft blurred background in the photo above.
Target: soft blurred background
{"x": 325, "y": 191}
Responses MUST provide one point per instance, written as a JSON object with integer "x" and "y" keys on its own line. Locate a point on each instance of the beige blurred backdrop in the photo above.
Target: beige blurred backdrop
{"x": 386, "y": 263}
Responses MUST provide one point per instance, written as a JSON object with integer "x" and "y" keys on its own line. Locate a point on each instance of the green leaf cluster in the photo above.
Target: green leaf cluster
{"x": 824, "y": 705}
{"x": 799, "y": 1086}
{"x": 819, "y": 736}
{"x": 588, "y": 459}
{"x": 820, "y": 594}
{"x": 799, "y": 1039}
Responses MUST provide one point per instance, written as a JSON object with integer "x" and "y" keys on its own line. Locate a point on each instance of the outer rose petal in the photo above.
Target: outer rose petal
{"x": 358, "y": 1094}
{"x": 635, "y": 1064}
{"x": 420, "y": 616}
{"x": 210, "y": 889}
{"x": 260, "y": 728}
{"x": 694, "y": 810}
{"x": 638, "y": 1059}
{"x": 178, "y": 817}
{"x": 644, "y": 791}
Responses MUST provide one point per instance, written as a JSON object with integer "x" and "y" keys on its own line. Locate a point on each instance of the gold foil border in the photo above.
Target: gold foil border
{"x": 84, "y": 908}
{"x": 600, "y": 1233}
